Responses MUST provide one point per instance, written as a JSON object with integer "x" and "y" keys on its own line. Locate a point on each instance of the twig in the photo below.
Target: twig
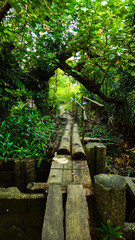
{"x": 95, "y": 102}
{"x": 50, "y": 9}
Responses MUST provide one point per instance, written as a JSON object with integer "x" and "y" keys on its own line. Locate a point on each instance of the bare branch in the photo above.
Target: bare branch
{"x": 95, "y": 102}
{"x": 104, "y": 76}
{"x": 50, "y": 9}
{"x": 4, "y": 9}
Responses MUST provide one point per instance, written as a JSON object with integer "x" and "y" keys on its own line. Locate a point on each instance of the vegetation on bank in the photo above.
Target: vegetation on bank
{"x": 58, "y": 50}
{"x": 26, "y": 134}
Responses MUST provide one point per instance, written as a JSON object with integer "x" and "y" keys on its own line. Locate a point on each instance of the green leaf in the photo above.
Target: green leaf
{"x": 132, "y": 64}
{"x": 116, "y": 229}
{"x": 15, "y": 4}
{"x": 8, "y": 90}
{"x": 100, "y": 230}
{"x": 1, "y": 90}
{"x": 133, "y": 74}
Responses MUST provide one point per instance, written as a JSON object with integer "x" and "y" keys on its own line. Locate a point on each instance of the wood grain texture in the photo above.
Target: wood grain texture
{"x": 67, "y": 176}
{"x": 81, "y": 175}
{"x": 131, "y": 186}
{"x": 64, "y": 147}
{"x": 53, "y": 219}
{"x": 56, "y": 171}
{"x": 77, "y": 222}
{"x": 77, "y": 148}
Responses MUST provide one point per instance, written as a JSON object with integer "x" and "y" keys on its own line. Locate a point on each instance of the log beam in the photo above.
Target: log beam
{"x": 77, "y": 148}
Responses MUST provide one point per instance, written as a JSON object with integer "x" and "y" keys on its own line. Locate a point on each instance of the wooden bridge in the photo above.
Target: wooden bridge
{"x": 66, "y": 214}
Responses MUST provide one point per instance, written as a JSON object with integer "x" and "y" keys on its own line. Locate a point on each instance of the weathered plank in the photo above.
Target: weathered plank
{"x": 55, "y": 175}
{"x": 131, "y": 186}
{"x": 53, "y": 219}
{"x": 77, "y": 222}
{"x": 64, "y": 147}
{"x": 85, "y": 172}
{"x": 67, "y": 176}
{"x": 77, "y": 174}
{"x": 81, "y": 175}
{"x": 77, "y": 148}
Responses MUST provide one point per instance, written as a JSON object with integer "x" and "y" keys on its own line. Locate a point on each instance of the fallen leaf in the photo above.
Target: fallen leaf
{"x": 60, "y": 160}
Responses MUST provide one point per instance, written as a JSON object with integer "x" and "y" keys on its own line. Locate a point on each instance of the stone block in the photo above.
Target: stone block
{"x": 129, "y": 231}
{"x": 110, "y": 199}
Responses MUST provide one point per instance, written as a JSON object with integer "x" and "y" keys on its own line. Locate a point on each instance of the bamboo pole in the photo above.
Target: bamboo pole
{"x": 77, "y": 148}
{"x": 84, "y": 112}
{"x": 95, "y": 102}
{"x": 86, "y": 124}
{"x": 64, "y": 147}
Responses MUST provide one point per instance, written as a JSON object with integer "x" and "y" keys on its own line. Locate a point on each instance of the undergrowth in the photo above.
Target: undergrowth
{"x": 26, "y": 134}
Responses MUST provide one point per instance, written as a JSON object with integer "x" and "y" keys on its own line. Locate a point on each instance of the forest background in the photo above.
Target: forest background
{"x": 53, "y": 50}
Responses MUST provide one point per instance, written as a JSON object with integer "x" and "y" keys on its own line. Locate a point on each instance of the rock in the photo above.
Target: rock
{"x": 110, "y": 196}
{"x": 129, "y": 231}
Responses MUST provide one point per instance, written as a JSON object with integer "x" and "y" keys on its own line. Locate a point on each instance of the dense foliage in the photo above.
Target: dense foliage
{"x": 92, "y": 41}
{"x": 26, "y": 134}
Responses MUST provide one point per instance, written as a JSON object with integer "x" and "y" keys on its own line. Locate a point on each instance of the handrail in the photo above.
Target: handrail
{"x": 95, "y": 102}
{"x": 84, "y": 112}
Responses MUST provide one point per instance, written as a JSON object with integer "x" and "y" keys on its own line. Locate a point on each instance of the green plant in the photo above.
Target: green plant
{"x": 26, "y": 134}
{"x": 108, "y": 232}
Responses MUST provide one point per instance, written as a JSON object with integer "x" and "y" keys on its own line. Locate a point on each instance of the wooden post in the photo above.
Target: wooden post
{"x": 19, "y": 175}
{"x": 86, "y": 124}
{"x": 82, "y": 112}
{"x": 73, "y": 107}
{"x": 30, "y": 170}
{"x": 83, "y": 109}
{"x": 96, "y": 154}
{"x": 76, "y": 113}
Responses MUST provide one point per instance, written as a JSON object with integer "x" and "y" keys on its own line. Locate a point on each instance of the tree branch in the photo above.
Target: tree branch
{"x": 88, "y": 83}
{"x": 104, "y": 76}
{"x": 50, "y": 9}
{"x": 4, "y": 9}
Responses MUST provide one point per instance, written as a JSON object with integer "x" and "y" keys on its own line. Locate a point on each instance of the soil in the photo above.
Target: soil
{"x": 120, "y": 157}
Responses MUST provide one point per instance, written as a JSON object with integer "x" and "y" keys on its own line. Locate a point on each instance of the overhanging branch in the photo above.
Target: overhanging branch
{"x": 4, "y": 9}
{"x": 90, "y": 84}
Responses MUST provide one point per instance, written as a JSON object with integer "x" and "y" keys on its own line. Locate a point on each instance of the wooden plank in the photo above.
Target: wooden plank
{"x": 85, "y": 172}
{"x": 77, "y": 222}
{"x": 53, "y": 219}
{"x": 81, "y": 175}
{"x": 67, "y": 176}
{"x": 81, "y": 172}
{"x": 56, "y": 171}
{"x": 77, "y": 175}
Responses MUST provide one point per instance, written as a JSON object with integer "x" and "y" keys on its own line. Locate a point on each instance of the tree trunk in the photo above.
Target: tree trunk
{"x": 4, "y": 10}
